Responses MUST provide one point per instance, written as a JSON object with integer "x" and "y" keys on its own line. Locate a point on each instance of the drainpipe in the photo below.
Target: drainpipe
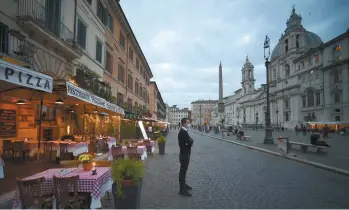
{"x": 323, "y": 90}
{"x": 75, "y": 14}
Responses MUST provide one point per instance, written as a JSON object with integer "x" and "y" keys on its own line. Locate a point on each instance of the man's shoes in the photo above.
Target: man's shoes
{"x": 185, "y": 193}
{"x": 188, "y": 187}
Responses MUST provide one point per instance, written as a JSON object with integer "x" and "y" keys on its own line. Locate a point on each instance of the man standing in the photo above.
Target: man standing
{"x": 185, "y": 144}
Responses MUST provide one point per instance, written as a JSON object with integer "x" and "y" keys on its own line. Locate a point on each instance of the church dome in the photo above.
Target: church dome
{"x": 311, "y": 40}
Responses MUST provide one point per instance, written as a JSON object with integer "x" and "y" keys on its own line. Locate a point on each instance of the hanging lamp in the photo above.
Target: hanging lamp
{"x": 20, "y": 102}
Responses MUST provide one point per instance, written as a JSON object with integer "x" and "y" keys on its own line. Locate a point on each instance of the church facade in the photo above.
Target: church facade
{"x": 308, "y": 80}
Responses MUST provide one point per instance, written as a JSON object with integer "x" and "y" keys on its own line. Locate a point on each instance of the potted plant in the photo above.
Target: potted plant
{"x": 161, "y": 143}
{"x": 127, "y": 177}
{"x": 86, "y": 160}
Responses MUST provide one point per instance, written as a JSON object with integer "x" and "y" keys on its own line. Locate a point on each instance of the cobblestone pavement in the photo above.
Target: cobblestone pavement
{"x": 225, "y": 175}
{"x": 336, "y": 156}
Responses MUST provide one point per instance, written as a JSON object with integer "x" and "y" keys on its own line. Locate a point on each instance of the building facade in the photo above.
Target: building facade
{"x": 176, "y": 114}
{"x": 126, "y": 68}
{"x": 308, "y": 82}
{"x": 157, "y": 106}
{"x": 201, "y": 111}
{"x": 88, "y": 51}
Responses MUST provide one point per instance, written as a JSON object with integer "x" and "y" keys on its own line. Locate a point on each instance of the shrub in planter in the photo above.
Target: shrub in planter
{"x": 127, "y": 175}
{"x": 161, "y": 143}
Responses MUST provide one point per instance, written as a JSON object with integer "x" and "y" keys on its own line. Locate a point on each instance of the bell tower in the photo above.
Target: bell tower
{"x": 247, "y": 77}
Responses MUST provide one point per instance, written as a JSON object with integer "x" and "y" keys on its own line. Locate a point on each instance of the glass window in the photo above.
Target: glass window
{"x": 297, "y": 41}
{"x": 81, "y": 34}
{"x": 99, "y": 50}
{"x": 304, "y": 101}
{"x": 110, "y": 23}
{"x": 3, "y": 38}
{"x": 109, "y": 62}
{"x": 318, "y": 98}
{"x": 337, "y": 97}
{"x": 131, "y": 53}
{"x": 286, "y": 45}
{"x": 130, "y": 82}
{"x": 121, "y": 73}
{"x": 122, "y": 41}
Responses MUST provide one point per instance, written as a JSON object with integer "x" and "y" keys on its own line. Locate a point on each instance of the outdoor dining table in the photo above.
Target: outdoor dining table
{"x": 2, "y": 164}
{"x": 97, "y": 184}
{"x": 73, "y": 147}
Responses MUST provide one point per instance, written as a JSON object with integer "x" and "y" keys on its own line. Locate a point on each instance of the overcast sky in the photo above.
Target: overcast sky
{"x": 184, "y": 40}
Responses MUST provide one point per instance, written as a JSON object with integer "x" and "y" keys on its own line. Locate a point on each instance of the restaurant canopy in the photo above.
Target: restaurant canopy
{"x": 90, "y": 98}
{"x": 24, "y": 77}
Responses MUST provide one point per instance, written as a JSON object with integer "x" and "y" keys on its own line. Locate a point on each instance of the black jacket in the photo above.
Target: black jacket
{"x": 184, "y": 141}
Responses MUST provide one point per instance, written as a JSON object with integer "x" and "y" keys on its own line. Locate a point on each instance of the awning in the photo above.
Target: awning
{"x": 86, "y": 96}
{"x": 25, "y": 77}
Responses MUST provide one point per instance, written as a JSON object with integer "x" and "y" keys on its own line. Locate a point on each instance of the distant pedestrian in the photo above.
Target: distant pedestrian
{"x": 325, "y": 131}
{"x": 296, "y": 129}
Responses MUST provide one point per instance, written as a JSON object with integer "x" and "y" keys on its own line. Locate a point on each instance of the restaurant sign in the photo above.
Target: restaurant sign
{"x": 25, "y": 77}
{"x": 84, "y": 95}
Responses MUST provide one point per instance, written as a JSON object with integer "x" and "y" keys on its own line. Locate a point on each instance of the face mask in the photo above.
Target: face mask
{"x": 188, "y": 126}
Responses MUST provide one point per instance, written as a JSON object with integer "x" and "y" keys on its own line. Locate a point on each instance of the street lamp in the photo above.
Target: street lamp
{"x": 268, "y": 139}
{"x": 277, "y": 118}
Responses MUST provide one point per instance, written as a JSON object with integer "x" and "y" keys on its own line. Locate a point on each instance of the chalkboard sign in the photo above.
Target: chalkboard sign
{"x": 8, "y": 126}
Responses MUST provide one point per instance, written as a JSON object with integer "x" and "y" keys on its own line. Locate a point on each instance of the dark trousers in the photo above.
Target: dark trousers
{"x": 184, "y": 160}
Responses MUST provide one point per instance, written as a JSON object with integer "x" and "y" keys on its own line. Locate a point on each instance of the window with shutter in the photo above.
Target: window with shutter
{"x": 99, "y": 48}
{"x": 81, "y": 34}
{"x": 3, "y": 38}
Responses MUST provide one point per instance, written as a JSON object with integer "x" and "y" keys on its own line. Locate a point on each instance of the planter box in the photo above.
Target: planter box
{"x": 131, "y": 199}
{"x": 161, "y": 148}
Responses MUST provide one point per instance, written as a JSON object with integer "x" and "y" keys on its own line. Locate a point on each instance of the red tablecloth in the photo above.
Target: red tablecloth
{"x": 86, "y": 183}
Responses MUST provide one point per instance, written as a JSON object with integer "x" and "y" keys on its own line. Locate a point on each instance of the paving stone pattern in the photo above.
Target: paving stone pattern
{"x": 225, "y": 175}
{"x": 336, "y": 156}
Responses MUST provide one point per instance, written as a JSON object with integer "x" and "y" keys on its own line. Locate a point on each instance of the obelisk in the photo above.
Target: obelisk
{"x": 221, "y": 102}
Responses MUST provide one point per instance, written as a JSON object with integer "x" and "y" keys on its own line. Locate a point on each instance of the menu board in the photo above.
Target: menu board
{"x": 8, "y": 123}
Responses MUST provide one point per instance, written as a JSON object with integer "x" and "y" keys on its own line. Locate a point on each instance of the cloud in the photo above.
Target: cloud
{"x": 184, "y": 41}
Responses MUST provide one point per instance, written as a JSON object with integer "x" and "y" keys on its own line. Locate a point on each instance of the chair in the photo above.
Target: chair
{"x": 69, "y": 163}
{"x": 47, "y": 151}
{"x": 61, "y": 191}
{"x": 30, "y": 194}
{"x": 7, "y": 146}
{"x": 63, "y": 152}
{"x": 18, "y": 147}
{"x": 132, "y": 152}
{"x": 147, "y": 145}
{"x": 117, "y": 153}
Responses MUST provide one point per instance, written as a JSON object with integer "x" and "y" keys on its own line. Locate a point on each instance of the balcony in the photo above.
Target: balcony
{"x": 17, "y": 50}
{"x": 45, "y": 27}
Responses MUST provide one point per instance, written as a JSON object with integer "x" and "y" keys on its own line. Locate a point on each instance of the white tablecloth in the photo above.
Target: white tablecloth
{"x": 1, "y": 172}
{"x": 76, "y": 150}
{"x": 2, "y": 164}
